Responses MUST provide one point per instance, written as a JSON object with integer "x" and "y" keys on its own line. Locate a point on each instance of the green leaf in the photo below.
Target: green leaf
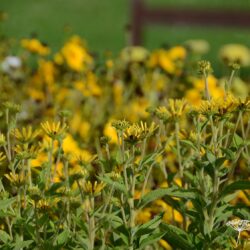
{"x": 176, "y": 237}
{"x": 63, "y": 237}
{"x": 160, "y": 192}
{"x": 121, "y": 233}
{"x": 148, "y": 159}
{"x": 189, "y": 144}
{"x": 118, "y": 186}
{"x": 149, "y": 226}
{"x": 237, "y": 140}
{"x": 151, "y": 239}
{"x": 237, "y": 185}
{"x": 210, "y": 156}
{"x": 4, "y": 237}
{"x": 4, "y": 204}
{"x": 22, "y": 244}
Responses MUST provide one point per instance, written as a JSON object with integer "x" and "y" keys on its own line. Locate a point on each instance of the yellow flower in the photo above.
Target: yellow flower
{"x": 89, "y": 87}
{"x": 93, "y": 188}
{"x": 110, "y": 132}
{"x": 118, "y": 90}
{"x": 76, "y": 55}
{"x": 25, "y": 135}
{"x": 2, "y": 157}
{"x": 41, "y": 158}
{"x": 58, "y": 59}
{"x": 54, "y": 130}
{"x": 198, "y": 46}
{"x": 35, "y": 46}
{"x": 16, "y": 179}
{"x": 177, "y": 53}
{"x": 134, "y": 54}
{"x": 133, "y": 133}
{"x": 174, "y": 110}
{"x": 166, "y": 63}
{"x": 165, "y": 245}
{"x": 24, "y": 151}
{"x": 235, "y": 53}
{"x": 143, "y": 216}
{"x": 193, "y": 96}
{"x": 46, "y": 71}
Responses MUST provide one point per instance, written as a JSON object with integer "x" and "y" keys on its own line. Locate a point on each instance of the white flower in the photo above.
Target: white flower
{"x": 11, "y": 63}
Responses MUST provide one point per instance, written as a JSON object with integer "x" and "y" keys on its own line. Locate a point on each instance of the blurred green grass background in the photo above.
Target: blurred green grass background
{"x": 102, "y": 23}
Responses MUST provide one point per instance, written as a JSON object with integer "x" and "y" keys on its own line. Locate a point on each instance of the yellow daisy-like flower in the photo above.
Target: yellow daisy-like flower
{"x": 133, "y": 133}
{"x": 54, "y": 130}
{"x": 93, "y": 188}
{"x": 16, "y": 179}
{"x": 173, "y": 111}
{"x": 2, "y": 157}
{"x": 25, "y": 135}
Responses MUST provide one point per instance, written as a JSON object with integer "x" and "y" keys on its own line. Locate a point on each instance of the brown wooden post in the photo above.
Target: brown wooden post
{"x": 137, "y": 11}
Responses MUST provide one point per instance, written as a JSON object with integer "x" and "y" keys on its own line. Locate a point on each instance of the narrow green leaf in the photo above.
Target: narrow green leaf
{"x": 119, "y": 186}
{"x": 161, "y": 192}
{"x": 151, "y": 239}
{"x": 149, "y": 226}
{"x": 176, "y": 237}
{"x": 148, "y": 159}
{"x": 237, "y": 185}
{"x": 189, "y": 144}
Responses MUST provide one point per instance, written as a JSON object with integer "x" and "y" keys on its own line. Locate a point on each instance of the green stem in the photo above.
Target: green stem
{"x": 177, "y": 129}
{"x": 207, "y": 93}
{"x": 92, "y": 225}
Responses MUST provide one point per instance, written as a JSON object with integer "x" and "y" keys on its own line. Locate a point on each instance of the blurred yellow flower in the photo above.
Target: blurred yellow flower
{"x": 46, "y": 71}
{"x": 134, "y": 54}
{"x": 165, "y": 245}
{"x": 110, "y": 132}
{"x": 75, "y": 55}
{"x": 35, "y": 46}
{"x": 235, "y": 53}
{"x": 89, "y": 87}
{"x": 143, "y": 216}
{"x": 177, "y": 53}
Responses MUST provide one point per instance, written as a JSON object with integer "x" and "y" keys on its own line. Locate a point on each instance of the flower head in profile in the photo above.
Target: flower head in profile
{"x": 148, "y": 130}
{"x": 55, "y": 130}
{"x": 2, "y": 157}
{"x": 174, "y": 110}
{"x": 120, "y": 125}
{"x": 93, "y": 188}
{"x": 17, "y": 180}
{"x": 25, "y": 151}
{"x": 25, "y": 135}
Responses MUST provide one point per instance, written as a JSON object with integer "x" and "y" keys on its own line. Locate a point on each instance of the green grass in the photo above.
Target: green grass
{"x": 102, "y": 22}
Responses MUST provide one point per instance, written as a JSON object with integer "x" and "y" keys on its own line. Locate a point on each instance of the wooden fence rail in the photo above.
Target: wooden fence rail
{"x": 143, "y": 15}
